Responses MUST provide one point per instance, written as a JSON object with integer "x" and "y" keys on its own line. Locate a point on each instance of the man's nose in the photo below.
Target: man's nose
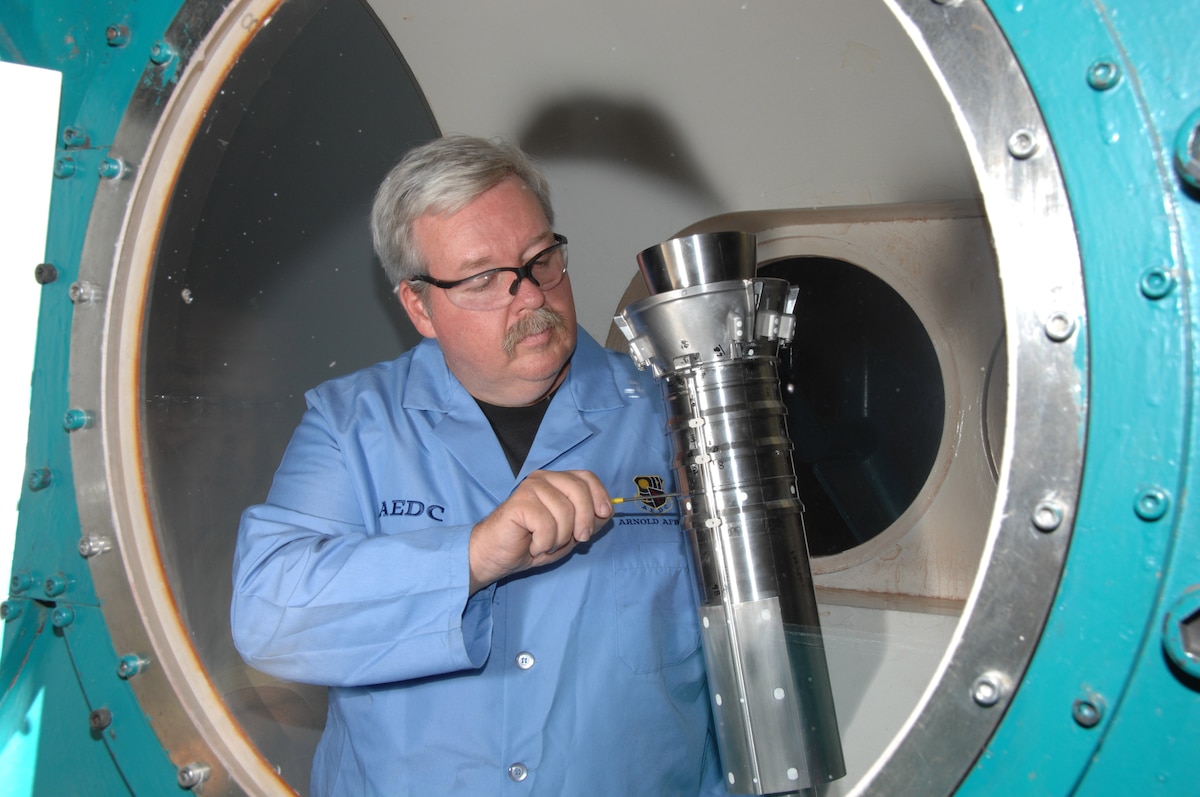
{"x": 528, "y": 294}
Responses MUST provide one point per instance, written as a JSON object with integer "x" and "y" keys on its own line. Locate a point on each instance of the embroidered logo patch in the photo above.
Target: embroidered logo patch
{"x": 651, "y": 494}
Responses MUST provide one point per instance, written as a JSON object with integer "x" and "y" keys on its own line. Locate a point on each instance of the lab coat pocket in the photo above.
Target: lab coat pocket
{"x": 656, "y": 615}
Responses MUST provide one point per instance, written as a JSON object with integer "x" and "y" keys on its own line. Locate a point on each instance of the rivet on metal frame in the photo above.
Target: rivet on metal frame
{"x": 192, "y": 775}
{"x": 75, "y": 419}
{"x": 130, "y": 665}
{"x": 161, "y": 52}
{"x": 1047, "y": 516}
{"x": 1103, "y": 75}
{"x": 117, "y": 35}
{"x": 62, "y": 616}
{"x": 64, "y": 168}
{"x": 91, "y": 545}
{"x": 1023, "y": 144}
{"x": 45, "y": 273}
{"x": 84, "y": 292}
{"x": 74, "y": 137}
{"x": 39, "y": 479}
{"x": 989, "y": 688}
{"x": 1059, "y": 326}
{"x": 1157, "y": 283}
{"x": 1152, "y": 503}
{"x": 1088, "y": 710}
{"x": 111, "y": 168}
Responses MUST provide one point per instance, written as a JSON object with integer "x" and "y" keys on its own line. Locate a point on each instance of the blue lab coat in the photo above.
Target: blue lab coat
{"x": 585, "y": 677}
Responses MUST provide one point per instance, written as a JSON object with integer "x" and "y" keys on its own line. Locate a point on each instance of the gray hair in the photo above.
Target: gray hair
{"x": 442, "y": 176}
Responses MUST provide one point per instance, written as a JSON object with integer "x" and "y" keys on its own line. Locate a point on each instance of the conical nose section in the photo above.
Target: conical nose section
{"x": 698, "y": 260}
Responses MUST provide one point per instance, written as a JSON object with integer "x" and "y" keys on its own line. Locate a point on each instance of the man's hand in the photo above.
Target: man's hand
{"x": 541, "y": 522}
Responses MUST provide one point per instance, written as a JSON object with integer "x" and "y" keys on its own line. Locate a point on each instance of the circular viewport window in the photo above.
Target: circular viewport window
{"x": 865, "y": 401}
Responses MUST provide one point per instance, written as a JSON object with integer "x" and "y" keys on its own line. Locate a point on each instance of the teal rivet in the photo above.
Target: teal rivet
{"x": 117, "y": 35}
{"x": 76, "y": 419}
{"x": 1103, "y": 75}
{"x": 64, "y": 167}
{"x": 39, "y": 479}
{"x": 55, "y": 585}
{"x": 161, "y": 52}
{"x": 1152, "y": 503}
{"x": 110, "y": 168}
{"x": 62, "y": 617}
{"x": 74, "y": 137}
{"x": 22, "y": 581}
{"x": 1187, "y": 150}
{"x": 10, "y": 610}
{"x": 130, "y": 665}
{"x": 1088, "y": 710}
{"x": 1181, "y": 631}
{"x": 1157, "y": 282}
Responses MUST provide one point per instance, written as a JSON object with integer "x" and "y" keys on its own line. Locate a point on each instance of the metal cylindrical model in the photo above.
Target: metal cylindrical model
{"x": 711, "y": 331}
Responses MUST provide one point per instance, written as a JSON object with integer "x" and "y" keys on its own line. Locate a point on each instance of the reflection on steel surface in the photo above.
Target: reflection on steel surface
{"x": 711, "y": 332}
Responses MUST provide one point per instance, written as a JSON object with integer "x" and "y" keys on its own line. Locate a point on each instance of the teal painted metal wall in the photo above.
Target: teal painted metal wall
{"x": 1134, "y": 564}
{"x": 57, "y": 645}
{"x": 1135, "y": 552}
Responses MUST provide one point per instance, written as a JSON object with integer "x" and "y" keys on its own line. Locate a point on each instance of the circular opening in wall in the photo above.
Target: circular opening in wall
{"x": 865, "y": 401}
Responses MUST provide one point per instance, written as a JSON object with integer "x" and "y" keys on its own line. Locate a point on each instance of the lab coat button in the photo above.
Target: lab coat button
{"x": 518, "y": 772}
{"x": 525, "y": 660}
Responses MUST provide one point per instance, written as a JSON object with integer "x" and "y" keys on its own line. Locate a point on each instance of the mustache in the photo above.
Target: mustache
{"x": 537, "y": 321}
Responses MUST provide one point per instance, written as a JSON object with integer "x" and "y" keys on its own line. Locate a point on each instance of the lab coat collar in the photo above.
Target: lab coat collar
{"x": 457, "y": 421}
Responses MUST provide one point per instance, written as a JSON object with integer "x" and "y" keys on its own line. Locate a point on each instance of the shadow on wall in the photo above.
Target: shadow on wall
{"x": 591, "y": 126}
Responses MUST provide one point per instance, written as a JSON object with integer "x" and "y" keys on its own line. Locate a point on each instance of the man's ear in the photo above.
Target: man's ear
{"x": 414, "y": 305}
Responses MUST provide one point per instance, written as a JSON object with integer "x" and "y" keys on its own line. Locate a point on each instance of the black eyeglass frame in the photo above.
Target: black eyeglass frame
{"x": 522, "y": 272}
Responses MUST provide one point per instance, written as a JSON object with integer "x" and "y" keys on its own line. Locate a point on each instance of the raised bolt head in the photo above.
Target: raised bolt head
{"x": 192, "y": 775}
{"x": 75, "y": 419}
{"x": 1103, "y": 75}
{"x": 1152, "y": 503}
{"x": 1023, "y": 144}
{"x": 39, "y": 479}
{"x": 62, "y": 617}
{"x": 1157, "y": 283}
{"x": 74, "y": 137}
{"x": 117, "y": 35}
{"x": 22, "y": 581}
{"x": 1088, "y": 710}
{"x": 130, "y": 665}
{"x": 64, "y": 167}
{"x": 111, "y": 168}
{"x": 1047, "y": 516}
{"x": 161, "y": 52}
{"x": 100, "y": 719}
{"x": 1059, "y": 326}
{"x": 10, "y": 610}
{"x": 82, "y": 292}
{"x": 988, "y": 689}
{"x": 55, "y": 585}
{"x": 45, "y": 273}
{"x": 90, "y": 546}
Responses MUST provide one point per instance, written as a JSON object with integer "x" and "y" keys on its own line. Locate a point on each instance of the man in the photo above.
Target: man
{"x": 439, "y": 546}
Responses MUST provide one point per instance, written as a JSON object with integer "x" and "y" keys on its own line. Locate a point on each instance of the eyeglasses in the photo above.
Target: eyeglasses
{"x": 487, "y": 289}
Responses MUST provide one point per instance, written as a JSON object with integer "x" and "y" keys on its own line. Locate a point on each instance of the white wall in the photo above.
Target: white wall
{"x": 28, "y": 139}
